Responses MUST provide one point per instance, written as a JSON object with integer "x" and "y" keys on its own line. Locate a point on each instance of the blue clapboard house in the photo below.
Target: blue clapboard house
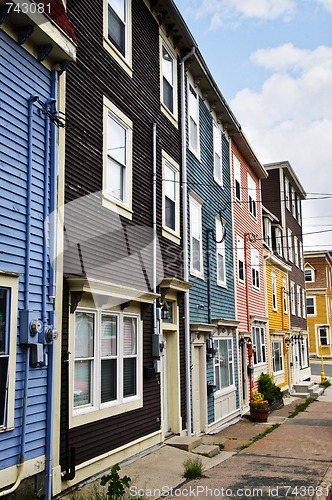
{"x": 33, "y": 53}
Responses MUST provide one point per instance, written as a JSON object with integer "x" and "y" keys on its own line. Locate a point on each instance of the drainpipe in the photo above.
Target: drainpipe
{"x": 51, "y": 350}
{"x": 209, "y": 231}
{"x": 185, "y": 234}
{"x": 20, "y": 466}
{"x": 154, "y": 231}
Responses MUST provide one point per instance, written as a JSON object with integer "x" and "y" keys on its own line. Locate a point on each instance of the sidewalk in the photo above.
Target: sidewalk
{"x": 298, "y": 453}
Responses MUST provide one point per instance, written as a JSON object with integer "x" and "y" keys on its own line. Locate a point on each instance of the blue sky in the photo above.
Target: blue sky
{"x": 272, "y": 60}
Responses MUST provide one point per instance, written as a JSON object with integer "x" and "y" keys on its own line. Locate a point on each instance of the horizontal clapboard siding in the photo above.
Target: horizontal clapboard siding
{"x": 20, "y": 77}
{"x": 110, "y": 245}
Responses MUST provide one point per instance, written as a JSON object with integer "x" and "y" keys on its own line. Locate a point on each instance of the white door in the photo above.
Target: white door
{"x": 164, "y": 387}
{"x": 198, "y": 390}
{"x": 296, "y": 363}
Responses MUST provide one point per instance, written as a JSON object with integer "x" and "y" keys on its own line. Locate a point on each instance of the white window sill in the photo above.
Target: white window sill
{"x": 219, "y": 183}
{"x": 225, "y": 391}
{"x": 171, "y": 235}
{"x": 197, "y": 274}
{"x": 195, "y": 153}
{"x": 222, "y": 284}
{"x": 169, "y": 115}
{"x": 92, "y": 414}
{"x": 117, "y": 207}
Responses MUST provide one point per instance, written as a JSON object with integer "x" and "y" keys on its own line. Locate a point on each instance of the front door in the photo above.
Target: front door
{"x": 296, "y": 363}
{"x": 198, "y": 390}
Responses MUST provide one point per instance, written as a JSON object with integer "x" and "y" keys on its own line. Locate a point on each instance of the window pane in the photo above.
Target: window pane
{"x": 170, "y": 183}
{"x": 3, "y": 320}
{"x": 168, "y": 95}
{"x": 221, "y": 268}
{"x": 193, "y": 134}
{"x": 119, "y": 7}
{"x": 116, "y": 141}
{"x": 108, "y": 380}
{"x": 115, "y": 179}
{"x": 109, "y": 326}
{"x": 217, "y": 167}
{"x": 82, "y": 383}
{"x": 3, "y": 386}
{"x": 129, "y": 336}
{"x": 129, "y": 377}
{"x": 84, "y": 334}
{"x": 170, "y": 213}
{"x": 196, "y": 254}
{"x": 116, "y": 30}
{"x": 167, "y": 66}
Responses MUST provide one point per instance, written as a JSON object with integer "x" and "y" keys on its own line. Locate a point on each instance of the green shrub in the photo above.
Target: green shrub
{"x": 327, "y": 383}
{"x": 193, "y": 468}
{"x": 268, "y": 388}
{"x": 117, "y": 485}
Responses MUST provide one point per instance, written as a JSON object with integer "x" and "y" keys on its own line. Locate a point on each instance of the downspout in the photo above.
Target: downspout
{"x": 185, "y": 234}
{"x": 208, "y": 275}
{"x": 20, "y": 466}
{"x": 154, "y": 231}
{"x": 51, "y": 350}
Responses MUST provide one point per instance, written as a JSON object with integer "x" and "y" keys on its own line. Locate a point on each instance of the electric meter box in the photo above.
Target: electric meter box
{"x": 30, "y": 327}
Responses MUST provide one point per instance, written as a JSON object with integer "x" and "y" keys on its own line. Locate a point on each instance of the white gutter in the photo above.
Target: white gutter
{"x": 185, "y": 235}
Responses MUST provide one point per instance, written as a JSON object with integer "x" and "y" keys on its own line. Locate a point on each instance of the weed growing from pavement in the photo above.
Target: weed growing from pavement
{"x": 260, "y": 436}
{"x": 301, "y": 407}
{"x": 327, "y": 383}
{"x": 193, "y": 468}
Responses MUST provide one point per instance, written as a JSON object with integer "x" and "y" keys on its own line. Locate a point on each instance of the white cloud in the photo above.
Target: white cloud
{"x": 290, "y": 118}
{"x": 327, "y": 4}
{"x": 222, "y": 11}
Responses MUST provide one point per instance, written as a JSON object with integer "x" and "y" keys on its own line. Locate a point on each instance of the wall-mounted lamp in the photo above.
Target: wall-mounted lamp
{"x": 200, "y": 307}
{"x": 164, "y": 311}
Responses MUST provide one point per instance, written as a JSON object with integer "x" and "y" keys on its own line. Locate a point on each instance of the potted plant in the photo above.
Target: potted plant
{"x": 259, "y": 408}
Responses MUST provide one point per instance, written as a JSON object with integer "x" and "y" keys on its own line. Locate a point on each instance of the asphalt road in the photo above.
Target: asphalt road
{"x": 316, "y": 368}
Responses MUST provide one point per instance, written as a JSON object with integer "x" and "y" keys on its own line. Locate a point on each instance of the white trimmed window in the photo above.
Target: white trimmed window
{"x": 196, "y": 249}
{"x": 255, "y": 267}
{"x": 193, "y": 116}
{"x": 323, "y": 335}
{"x": 117, "y": 32}
{"x": 296, "y": 251}
{"x": 274, "y": 292}
{"x": 223, "y": 363}
{"x": 252, "y": 197}
{"x": 240, "y": 258}
{"x": 258, "y": 339}
{"x": 107, "y": 361}
{"x": 171, "y": 198}
{"x": 268, "y": 232}
{"x": 304, "y": 309}
{"x": 220, "y": 254}
{"x": 309, "y": 274}
{"x": 290, "y": 245}
{"x": 304, "y": 353}
{"x": 278, "y": 234}
{"x": 292, "y": 296}
{"x": 284, "y": 295}
{"x": 8, "y": 334}
{"x": 168, "y": 70}
{"x": 117, "y": 160}
{"x": 298, "y": 210}
{"x": 277, "y": 356}
{"x": 237, "y": 177}
{"x": 298, "y": 300}
{"x": 293, "y": 194}
{"x": 217, "y": 150}
{"x": 311, "y": 306}
{"x": 287, "y": 188}
{"x": 301, "y": 255}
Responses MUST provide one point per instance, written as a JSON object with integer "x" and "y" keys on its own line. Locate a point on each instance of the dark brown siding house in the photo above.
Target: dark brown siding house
{"x": 282, "y": 195}
{"x": 124, "y": 365}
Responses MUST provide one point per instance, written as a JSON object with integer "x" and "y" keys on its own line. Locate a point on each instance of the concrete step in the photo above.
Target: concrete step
{"x": 186, "y": 443}
{"x": 316, "y": 391}
{"x": 303, "y": 386}
{"x": 303, "y": 395}
{"x": 207, "y": 450}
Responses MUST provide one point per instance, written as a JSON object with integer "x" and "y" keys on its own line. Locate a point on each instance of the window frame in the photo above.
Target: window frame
{"x": 220, "y": 250}
{"x": 274, "y": 292}
{"x": 298, "y": 300}
{"x": 97, "y": 409}
{"x": 252, "y": 196}
{"x": 164, "y": 42}
{"x": 10, "y": 283}
{"x": 313, "y": 305}
{"x": 281, "y": 356}
{"x": 267, "y": 232}
{"x": 124, "y": 60}
{"x": 217, "y": 141}
{"x": 237, "y": 178}
{"x": 284, "y": 295}
{"x": 312, "y": 275}
{"x": 255, "y": 268}
{"x": 327, "y": 331}
{"x": 286, "y": 193}
{"x": 194, "y": 202}
{"x": 290, "y": 244}
{"x": 293, "y": 202}
{"x": 258, "y": 347}
{"x": 193, "y": 110}
{"x": 229, "y": 367}
{"x": 279, "y": 245}
{"x": 122, "y": 207}
{"x": 292, "y": 297}
{"x": 167, "y": 232}
{"x": 240, "y": 258}
{"x": 296, "y": 251}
